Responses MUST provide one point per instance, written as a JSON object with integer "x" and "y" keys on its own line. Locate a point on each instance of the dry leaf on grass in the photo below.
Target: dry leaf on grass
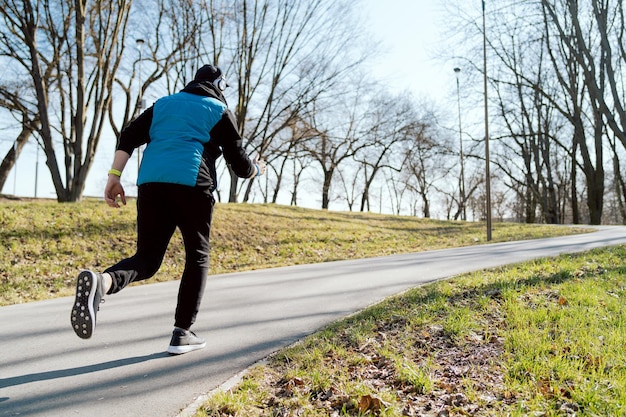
{"x": 370, "y": 403}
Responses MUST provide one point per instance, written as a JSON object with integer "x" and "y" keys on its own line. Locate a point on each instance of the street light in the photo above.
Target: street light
{"x": 15, "y": 168}
{"x": 140, "y": 43}
{"x": 487, "y": 173}
{"x": 36, "y": 170}
{"x": 457, "y": 70}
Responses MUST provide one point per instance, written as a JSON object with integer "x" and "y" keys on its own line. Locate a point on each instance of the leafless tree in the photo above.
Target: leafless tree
{"x": 557, "y": 69}
{"x": 290, "y": 155}
{"x": 396, "y": 189}
{"x": 336, "y": 140}
{"x": 525, "y": 148}
{"x": 286, "y": 53}
{"x": 619, "y": 184}
{"x": 11, "y": 97}
{"x": 169, "y": 46}
{"x": 76, "y": 58}
{"x": 350, "y": 184}
{"x": 421, "y": 167}
{"x": 68, "y": 52}
{"x": 596, "y": 38}
{"x": 389, "y": 120}
{"x": 597, "y": 67}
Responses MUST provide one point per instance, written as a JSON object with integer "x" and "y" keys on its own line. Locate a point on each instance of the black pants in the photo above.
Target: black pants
{"x": 160, "y": 209}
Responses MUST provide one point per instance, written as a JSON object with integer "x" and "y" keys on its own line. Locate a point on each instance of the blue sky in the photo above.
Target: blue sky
{"x": 411, "y": 34}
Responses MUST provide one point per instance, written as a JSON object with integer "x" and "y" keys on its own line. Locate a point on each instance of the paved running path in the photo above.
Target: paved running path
{"x": 123, "y": 370}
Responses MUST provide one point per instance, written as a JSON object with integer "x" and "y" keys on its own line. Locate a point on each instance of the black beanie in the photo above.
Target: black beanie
{"x": 208, "y": 73}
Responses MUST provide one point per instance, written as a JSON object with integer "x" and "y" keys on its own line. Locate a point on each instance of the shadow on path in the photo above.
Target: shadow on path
{"x": 62, "y": 373}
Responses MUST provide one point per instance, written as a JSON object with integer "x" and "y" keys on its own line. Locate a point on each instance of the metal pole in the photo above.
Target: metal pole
{"x": 36, "y": 170}
{"x": 15, "y": 168}
{"x": 462, "y": 191}
{"x": 487, "y": 173}
{"x": 140, "y": 43}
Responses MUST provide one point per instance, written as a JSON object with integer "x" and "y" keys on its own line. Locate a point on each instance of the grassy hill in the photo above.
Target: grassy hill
{"x": 45, "y": 244}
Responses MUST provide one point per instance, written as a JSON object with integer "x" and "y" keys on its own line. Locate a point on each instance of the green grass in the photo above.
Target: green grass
{"x": 543, "y": 338}
{"x": 44, "y": 244}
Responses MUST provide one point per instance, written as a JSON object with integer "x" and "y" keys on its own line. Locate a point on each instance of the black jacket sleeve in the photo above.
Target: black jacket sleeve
{"x": 136, "y": 133}
{"x": 228, "y": 139}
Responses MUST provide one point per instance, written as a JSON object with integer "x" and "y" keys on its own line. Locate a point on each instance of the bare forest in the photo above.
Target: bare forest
{"x": 304, "y": 101}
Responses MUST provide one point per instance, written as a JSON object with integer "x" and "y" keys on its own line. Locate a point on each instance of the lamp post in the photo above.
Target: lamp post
{"x": 457, "y": 70}
{"x": 36, "y": 170}
{"x": 140, "y": 43}
{"x": 15, "y": 168}
{"x": 487, "y": 173}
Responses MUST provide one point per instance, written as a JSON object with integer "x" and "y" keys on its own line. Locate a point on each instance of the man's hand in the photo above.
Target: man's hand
{"x": 261, "y": 164}
{"x": 112, "y": 190}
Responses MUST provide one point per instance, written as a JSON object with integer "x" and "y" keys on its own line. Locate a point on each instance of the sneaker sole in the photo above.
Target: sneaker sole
{"x": 83, "y": 317}
{"x": 179, "y": 350}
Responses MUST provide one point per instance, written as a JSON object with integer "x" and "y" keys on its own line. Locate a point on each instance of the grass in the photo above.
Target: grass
{"x": 45, "y": 244}
{"x": 543, "y": 338}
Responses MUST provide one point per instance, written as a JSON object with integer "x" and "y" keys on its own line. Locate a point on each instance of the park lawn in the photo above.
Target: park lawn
{"x": 45, "y": 244}
{"x": 543, "y": 338}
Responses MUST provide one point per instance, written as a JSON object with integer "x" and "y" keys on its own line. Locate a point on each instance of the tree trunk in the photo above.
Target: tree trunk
{"x": 234, "y": 179}
{"x": 426, "y": 210}
{"x": 8, "y": 162}
{"x": 328, "y": 175}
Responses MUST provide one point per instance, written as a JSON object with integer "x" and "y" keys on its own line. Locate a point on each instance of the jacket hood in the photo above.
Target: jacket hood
{"x": 205, "y": 88}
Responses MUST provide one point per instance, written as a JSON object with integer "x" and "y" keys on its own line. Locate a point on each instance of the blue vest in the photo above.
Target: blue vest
{"x": 181, "y": 126}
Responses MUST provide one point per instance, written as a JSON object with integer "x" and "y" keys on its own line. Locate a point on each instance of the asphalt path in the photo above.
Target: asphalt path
{"x": 123, "y": 370}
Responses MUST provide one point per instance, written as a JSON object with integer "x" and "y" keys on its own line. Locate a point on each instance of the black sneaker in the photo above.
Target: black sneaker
{"x": 89, "y": 293}
{"x": 184, "y": 341}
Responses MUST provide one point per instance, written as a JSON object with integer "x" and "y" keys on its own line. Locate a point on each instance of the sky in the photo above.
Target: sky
{"x": 410, "y": 35}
